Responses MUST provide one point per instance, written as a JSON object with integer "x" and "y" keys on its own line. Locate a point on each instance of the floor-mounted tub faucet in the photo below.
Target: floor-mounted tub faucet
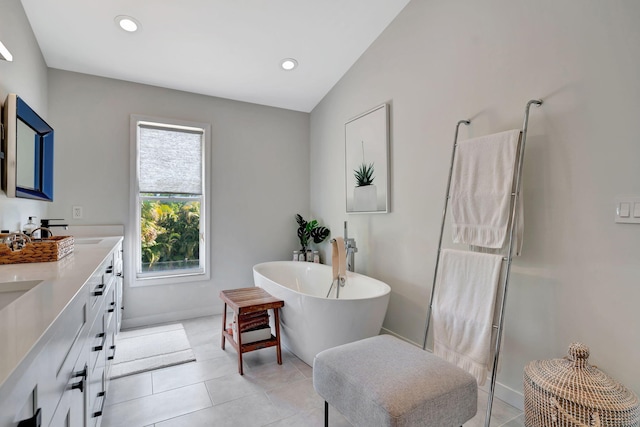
{"x": 339, "y": 263}
{"x": 351, "y": 249}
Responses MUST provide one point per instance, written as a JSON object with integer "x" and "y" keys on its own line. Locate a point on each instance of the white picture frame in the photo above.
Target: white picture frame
{"x": 367, "y": 162}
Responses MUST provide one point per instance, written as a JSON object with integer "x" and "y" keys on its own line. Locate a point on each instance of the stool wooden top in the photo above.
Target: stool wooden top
{"x": 248, "y": 300}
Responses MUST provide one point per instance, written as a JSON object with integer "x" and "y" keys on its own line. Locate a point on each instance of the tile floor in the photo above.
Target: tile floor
{"x": 210, "y": 392}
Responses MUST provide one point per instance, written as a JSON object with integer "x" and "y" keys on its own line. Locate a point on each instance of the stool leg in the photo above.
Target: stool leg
{"x": 326, "y": 414}
{"x": 277, "y": 323}
{"x": 239, "y": 325}
{"x": 224, "y": 323}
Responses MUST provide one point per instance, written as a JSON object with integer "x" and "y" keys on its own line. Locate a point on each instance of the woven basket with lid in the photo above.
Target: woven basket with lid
{"x": 569, "y": 393}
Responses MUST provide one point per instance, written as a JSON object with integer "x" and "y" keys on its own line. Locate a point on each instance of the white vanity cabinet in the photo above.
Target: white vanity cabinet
{"x": 62, "y": 381}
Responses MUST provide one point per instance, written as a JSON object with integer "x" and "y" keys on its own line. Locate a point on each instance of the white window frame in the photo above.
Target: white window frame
{"x": 176, "y": 276}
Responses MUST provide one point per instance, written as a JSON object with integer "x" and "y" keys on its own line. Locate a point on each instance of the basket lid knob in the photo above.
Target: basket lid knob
{"x": 578, "y": 353}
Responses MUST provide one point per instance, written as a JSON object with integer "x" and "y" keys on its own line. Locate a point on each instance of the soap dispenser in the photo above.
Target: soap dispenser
{"x": 29, "y": 227}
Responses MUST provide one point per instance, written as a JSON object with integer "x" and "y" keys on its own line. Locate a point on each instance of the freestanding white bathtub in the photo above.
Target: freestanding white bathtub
{"x": 310, "y": 322}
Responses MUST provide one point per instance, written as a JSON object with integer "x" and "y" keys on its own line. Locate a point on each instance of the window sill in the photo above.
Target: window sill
{"x": 175, "y": 279}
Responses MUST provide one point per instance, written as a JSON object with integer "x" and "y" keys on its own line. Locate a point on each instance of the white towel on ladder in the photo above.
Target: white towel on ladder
{"x": 463, "y": 309}
{"x": 481, "y": 187}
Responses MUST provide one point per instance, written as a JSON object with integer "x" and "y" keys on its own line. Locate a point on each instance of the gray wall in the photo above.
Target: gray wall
{"x": 26, "y": 75}
{"x": 440, "y": 62}
{"x": 260, "y": 180}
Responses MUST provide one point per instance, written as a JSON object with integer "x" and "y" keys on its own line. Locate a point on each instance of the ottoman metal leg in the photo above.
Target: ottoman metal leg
{"x": 326, "y": 414}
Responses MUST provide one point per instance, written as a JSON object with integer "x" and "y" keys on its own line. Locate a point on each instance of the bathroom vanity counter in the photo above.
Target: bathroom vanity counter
{"x": 26, "y": 322}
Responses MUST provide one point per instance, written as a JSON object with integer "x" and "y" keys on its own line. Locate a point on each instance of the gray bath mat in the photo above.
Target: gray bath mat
{"x": 142, "y": 350}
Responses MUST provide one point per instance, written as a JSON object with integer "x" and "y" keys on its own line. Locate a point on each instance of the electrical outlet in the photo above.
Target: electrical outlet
{"x": 77, "y": 212}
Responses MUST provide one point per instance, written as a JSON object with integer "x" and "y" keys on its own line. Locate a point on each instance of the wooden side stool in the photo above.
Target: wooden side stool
{"x": 249, "y": 300}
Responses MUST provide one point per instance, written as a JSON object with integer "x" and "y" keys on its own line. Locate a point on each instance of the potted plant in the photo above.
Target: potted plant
{"x": 310, "y": 230}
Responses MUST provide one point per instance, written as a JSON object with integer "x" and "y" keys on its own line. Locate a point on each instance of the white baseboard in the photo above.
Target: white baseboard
{"x": 388, "y": 332}
{"x": 136, "y": 322}
{"x": 502, "y": 392}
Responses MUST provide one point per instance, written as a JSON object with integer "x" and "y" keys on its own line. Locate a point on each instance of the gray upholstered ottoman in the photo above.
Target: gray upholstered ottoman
{"x": 384, "y": 381}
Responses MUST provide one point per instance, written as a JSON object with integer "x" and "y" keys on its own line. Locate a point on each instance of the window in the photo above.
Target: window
{"x": 169, "y": 192}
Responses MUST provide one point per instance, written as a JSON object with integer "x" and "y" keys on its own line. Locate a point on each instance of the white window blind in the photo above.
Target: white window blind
{"x": 170, "y": 160}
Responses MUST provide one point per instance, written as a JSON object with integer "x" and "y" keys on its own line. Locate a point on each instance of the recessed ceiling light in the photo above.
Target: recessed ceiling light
{"x": 288, "y": 64}
{"x": 127, "y": 23}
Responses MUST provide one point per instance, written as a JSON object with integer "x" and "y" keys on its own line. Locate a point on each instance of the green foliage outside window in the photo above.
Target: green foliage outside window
{"x": 170, "y": 233}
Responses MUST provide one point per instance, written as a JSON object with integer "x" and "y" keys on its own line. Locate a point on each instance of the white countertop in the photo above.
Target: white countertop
{"x": 24, "y": 322}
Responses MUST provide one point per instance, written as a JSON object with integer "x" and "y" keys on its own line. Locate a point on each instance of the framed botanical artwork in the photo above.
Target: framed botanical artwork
{"x": 367, "y": 161}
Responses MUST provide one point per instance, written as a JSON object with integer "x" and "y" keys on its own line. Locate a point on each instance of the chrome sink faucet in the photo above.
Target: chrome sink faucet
{"x": 351, "y": 249}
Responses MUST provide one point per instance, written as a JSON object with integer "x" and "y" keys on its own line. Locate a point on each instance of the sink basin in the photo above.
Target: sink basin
{"x": 88, "y": 241}
{"x": 11, "y": 291}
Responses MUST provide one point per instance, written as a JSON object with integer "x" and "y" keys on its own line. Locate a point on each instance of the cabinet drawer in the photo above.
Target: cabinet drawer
{"x": 97, "y": 396}
{"x": 108, "y": 274}
{"x": 110, "y": 302}
{"x": 99, "y": 284}
{"x": 97, "y": 343}
{"x": 65, "y": 345}
{"x": 96, "y": 295}
{"x": 71, "y": 408}
{"x": 110, "y": 352}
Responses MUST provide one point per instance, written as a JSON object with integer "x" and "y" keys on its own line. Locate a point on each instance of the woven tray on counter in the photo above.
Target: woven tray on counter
{"x": 54, "y": 248}
{"x": 570, "y": 392}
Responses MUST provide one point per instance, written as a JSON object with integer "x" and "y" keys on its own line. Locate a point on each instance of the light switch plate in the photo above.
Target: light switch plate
{"x": 624, "y": 209}
{"x": 627, "y": 209}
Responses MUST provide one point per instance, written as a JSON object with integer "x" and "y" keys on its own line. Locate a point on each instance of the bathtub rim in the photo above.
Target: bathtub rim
{"x": 304, "y": 264}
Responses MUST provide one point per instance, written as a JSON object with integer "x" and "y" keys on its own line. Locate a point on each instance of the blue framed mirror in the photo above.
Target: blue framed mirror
{"x": 28, "y": 148}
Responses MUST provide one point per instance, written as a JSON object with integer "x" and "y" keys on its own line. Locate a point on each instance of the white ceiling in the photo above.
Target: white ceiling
{"x": 226, "y": 48}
